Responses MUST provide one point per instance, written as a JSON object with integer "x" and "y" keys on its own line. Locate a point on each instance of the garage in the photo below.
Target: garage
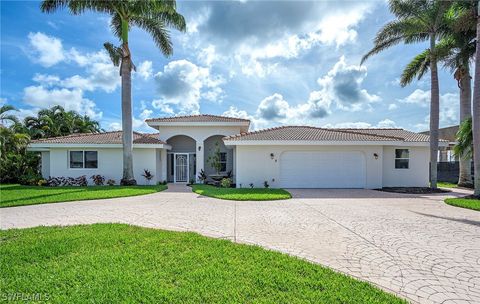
{"x": 322, "y": 169}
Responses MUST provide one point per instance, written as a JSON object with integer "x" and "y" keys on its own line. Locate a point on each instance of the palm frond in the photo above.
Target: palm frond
{"x": 114, "y": 52}
{"x": 416, "y": 68}
{"x": 157, "y": 29}
{"x": 464, "y": 144}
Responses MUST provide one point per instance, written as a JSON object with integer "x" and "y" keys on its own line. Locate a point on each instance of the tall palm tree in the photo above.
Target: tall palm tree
{"x": 455, "y": 51}
{"x": 476, "y": 111}
{"x": 151, "y": 15}
{"x": 418, "y": 21}
{"x": 5, "y": 116}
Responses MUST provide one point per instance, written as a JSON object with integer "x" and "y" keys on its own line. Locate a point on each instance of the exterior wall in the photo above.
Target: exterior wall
{"x": 254, "y": 163}
{"x": 45, "y": 164}
{"x": 110, "y": 162}
{"x": 417, "y": 175}
{"x": 199, "y": 134}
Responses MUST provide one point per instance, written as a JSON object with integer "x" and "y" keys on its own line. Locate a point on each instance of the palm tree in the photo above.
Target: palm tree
{"x": 418, "y": 21}
{"x": 455, "y": 51}
{"x": 464, "y": 144}
{"x": 476, "y": 112}
{"x": 5, "y": 117}
{"x": 152, "y": 16}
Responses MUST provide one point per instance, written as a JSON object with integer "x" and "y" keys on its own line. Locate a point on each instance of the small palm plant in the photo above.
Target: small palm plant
{"x": 215, "y": 159}
{"x": 148, "y": 175}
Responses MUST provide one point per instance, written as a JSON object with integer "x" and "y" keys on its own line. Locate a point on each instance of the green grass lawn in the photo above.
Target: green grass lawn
{"x": 118, "y": 263}
{"x": 468, "y": 203}
{"x": 16, "y": 195}
{"x": 446, "y": 185}
{"x": 242, "y": 194}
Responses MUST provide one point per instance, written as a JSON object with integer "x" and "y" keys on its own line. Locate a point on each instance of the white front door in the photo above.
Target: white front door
{"x": 181, "y": 167}
{"x": 322, "y": 169}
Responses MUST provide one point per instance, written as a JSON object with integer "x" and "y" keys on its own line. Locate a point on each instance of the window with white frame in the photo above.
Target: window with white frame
{"x": 223, "y": 161}
{"x": 83, "y": 159}
{"x": 402, "y": 158}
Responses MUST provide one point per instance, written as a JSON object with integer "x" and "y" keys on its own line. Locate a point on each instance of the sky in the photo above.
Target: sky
{"x": 274, "y": 62}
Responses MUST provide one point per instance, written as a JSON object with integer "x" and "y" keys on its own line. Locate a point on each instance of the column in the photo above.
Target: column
{"x": 200, "y": 158}
{"x": 163, "y": 165}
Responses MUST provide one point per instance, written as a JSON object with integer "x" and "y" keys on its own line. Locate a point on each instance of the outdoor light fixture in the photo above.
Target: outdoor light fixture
{"x": 272, "y": 155}
{"x": 375, "y": 155}
{"x": 199, "y": 148}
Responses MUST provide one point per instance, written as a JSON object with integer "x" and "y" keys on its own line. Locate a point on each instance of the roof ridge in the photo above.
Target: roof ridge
{"x": 197, "y": 115}
{"x": 74, "y": 135}
{"x": 378, "y": 135}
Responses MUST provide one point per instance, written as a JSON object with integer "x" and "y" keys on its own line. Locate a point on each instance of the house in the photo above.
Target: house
{"x": 445, "y": 153}
{"x": 287, "y": 157}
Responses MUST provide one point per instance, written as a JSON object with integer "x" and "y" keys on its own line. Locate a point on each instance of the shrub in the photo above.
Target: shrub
{"x": 67, "y": 181}
{"x": 111, "y": 182}
{"x": 42, "y": 182}
{"x": 265, "y": 184}
{"x": 164, "y": 182}
{"x": 202, "y": 176}
{"x": 148, "y": 175}
{"x": 98, "y": 179}
{"x": 30, "y": 179}
{"x": 226, "y": 183}
{"x": 192, "y": 181}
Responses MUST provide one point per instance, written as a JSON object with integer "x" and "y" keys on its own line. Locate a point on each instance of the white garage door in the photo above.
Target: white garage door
{"x": 317, "y": 169}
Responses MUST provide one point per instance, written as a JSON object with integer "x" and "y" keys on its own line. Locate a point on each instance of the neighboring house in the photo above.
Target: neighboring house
{"x": 288, "y": 157}
{"x": 445, "y": 153}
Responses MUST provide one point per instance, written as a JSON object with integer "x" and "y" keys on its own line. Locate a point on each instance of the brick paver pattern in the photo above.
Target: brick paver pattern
{"x": 412, "y": 245}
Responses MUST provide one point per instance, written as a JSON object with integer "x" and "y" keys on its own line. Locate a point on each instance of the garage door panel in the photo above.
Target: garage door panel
{"x": 319, "y": 169}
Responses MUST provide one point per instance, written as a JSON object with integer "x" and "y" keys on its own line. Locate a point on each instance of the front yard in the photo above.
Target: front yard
{"x": 119, "y": 263}
{"x": 242, "y": 194}
{"x": 17, "y": 195}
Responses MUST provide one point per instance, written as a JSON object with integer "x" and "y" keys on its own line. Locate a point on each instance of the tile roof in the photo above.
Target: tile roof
{"x": 306, "y": 133}
{"x": 114, "y": 137}
{"x": 198, "y": 118}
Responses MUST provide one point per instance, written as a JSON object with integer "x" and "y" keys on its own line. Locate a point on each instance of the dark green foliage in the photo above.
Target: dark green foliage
{"x": 464, "y": 144}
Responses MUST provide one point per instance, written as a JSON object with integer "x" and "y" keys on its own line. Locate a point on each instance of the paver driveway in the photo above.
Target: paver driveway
{"x": 415, "y": 246}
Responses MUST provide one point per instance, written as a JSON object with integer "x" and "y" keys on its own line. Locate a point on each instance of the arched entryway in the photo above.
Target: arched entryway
{"x": 181, "y": 159}
{"x": 226, "y": 155}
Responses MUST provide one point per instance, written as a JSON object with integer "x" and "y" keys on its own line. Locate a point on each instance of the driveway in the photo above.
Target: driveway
{"x": 412, "y": 245}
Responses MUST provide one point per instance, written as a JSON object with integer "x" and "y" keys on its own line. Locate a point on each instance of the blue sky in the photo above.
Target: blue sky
{"x": 272, "y": 62}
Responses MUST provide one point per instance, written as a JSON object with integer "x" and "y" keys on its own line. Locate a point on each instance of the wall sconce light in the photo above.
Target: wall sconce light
{"x": 199, "y": 148}
{"x": 375, "y": 155}
{"x": 272, "y": 155}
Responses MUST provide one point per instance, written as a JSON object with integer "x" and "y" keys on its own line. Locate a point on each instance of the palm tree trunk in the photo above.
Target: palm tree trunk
{"x": 126, "y": 71}
{"x": 476, "y": 113}
{"x": 434, "y": 113}
{"x": 465, "y": 176}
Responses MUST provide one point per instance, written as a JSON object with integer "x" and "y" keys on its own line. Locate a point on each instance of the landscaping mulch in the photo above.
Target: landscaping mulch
{"x": 413, "y": 190}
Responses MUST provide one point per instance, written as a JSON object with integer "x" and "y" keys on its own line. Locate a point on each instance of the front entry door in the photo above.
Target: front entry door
{"x": 181, "y": 168}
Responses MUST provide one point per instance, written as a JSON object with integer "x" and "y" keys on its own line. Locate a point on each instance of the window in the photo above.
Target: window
{"x": 83, "y": 159}
{"x": 402, "y": 157}
{"x": 223, "y": 161}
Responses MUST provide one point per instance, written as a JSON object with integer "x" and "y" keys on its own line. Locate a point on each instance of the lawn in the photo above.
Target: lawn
{"x": 242, "y": 194}
{"x": 446, "y": 185}
{"x": 16, "y": 195}
{"x": 118, "y": 263}
{"x": 469, "y": 203}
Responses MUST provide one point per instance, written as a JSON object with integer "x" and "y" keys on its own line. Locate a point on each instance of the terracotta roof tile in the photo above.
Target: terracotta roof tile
{"x": 198, "y": 118}
{"x": 306, "y": 133}
{"x": 114, "y": 137}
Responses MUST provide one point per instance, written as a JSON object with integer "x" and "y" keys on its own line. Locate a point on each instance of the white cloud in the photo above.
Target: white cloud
{"x": 144, "y": 69}
{"x": 386, "y": 123}
{"x": 47, "y": 50}
{"x": 234, "y": 112}
{"x": 392, "y": 107}
{"x": 273, "y": 107}
{"x": 419, "y": 97}
{"x": 182, "y": 84}
{"x": 114, "y": 126}
{"x": 41, "y": 97}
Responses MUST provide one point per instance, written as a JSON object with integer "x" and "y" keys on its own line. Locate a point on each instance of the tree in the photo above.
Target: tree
{"x": 5, "y": 116}
{"x": 418, "y": 21}
{"x": 476, "y": 112}
{"x": 455, "y": 50}
{"x": 152, "y": 16}
{"x": 464, "y": 144}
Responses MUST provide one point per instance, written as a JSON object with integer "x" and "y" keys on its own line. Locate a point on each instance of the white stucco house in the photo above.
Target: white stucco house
{"x": 285, "y": 157}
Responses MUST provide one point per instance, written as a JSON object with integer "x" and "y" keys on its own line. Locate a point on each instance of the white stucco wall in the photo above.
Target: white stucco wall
{"x": 110, "y": 164}
{"x": 254, "y": 164}
{"x": 417, "y": 175}
{"x": 199, "y": 134}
